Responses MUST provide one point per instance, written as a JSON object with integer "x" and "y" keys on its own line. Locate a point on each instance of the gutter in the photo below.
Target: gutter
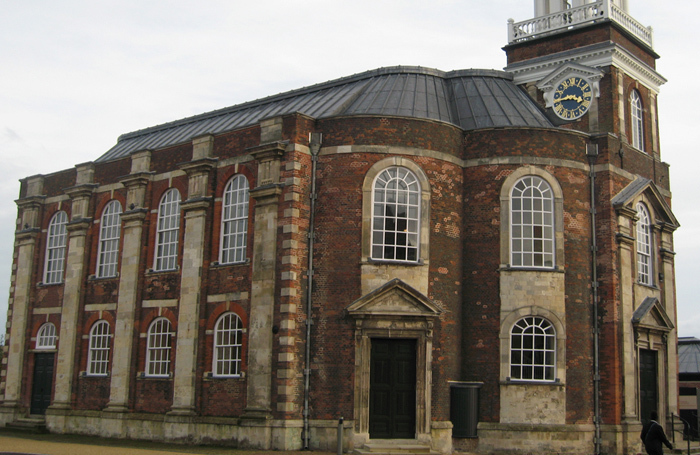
{"x": 592, "y": 154}
{"x": 314, "y": 146}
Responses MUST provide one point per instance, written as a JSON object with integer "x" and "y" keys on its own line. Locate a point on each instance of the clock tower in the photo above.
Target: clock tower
{"x": 592, "y": 69}
{"x": 591, "y": 66}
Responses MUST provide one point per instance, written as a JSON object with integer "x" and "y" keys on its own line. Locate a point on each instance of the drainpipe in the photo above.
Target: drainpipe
{"x": 592, "y": 154}
{"x": 315, "y": 146}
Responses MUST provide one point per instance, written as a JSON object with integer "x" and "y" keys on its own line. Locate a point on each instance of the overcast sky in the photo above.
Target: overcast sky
{"x": 74, "y": 75}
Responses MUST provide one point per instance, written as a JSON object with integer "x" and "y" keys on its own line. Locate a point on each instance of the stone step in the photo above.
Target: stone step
{"x": 394, "y": 449}
{"x": 28, "y": 424}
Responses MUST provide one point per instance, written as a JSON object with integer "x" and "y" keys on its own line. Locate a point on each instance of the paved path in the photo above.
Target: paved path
{"x": 13, "y": 442}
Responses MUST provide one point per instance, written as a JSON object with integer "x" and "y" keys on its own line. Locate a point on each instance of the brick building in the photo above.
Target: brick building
{"x": 366, "y": 248}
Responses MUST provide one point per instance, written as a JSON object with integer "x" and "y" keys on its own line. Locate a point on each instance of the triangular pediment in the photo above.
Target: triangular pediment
{"x": 568, "y": 70}
{"x": 651, "y": 315}
{"x": 393, "y": 299}
{"x": 638, "y": 186}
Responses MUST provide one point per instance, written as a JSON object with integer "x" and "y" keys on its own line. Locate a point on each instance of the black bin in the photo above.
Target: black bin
{"x": 464, "y": 408}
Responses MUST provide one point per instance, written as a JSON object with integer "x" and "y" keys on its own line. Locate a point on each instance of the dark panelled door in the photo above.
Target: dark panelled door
{"x": 392, "y": 395}
{"x": 648, "y": 385}
{"x": 41, "y": 383}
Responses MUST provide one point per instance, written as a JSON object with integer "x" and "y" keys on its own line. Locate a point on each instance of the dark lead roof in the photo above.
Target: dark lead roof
{"x": 469, "y": 99}
{"x": 688, "y": 355}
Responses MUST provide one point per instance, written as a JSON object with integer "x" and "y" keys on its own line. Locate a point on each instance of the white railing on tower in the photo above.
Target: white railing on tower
{"x": 572, "y": 17}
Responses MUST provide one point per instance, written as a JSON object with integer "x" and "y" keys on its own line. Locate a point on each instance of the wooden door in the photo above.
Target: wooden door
{"x": 42, "y": 382}
{"x": 392, "y": 397}
{"x": 648, "y": 383}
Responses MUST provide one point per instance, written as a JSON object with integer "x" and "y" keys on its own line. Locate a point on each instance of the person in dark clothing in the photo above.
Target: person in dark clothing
{"x": 653, "y": 435}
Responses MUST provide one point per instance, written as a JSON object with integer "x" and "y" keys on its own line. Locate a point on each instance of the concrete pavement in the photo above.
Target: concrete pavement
{"x": 17, "y": 442}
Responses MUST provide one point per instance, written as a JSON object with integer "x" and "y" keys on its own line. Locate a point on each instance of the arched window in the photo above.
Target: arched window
{"x": 533, "y": 350}
{"x": 228, "y": 335}
{"x": 168, "y": 231}
{"x": 532, "y": 223}
{"x": 46, "y": 337}
{"x": 110, "y": 231}
{"x": 98, "y": 351}
{"x": 396, "y": 215}
{"x": 644, "y": 268}
{"x": 234, "y": 221}
{"x": 636, "y": 115}
{"x": 158, "y": 348}
{"x": 56, "y": 249}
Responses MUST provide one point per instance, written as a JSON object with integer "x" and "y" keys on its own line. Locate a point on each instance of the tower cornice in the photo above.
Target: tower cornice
{"x": 598, "y": 55}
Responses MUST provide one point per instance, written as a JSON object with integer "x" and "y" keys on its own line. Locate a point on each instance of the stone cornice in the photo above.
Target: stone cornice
{"x": 268, "y": 151}
{"x": 267, "y": 194}
{"x": 136, "y": 179}
{"x": 78, "y": 191}
{"x": 596, "y": 56}
{"x": 200, "y": 166}
{"x": 200, "y": 203}
{"x": 30, "y": 202}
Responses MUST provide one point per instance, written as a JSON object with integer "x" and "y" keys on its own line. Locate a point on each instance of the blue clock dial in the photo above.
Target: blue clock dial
{"x": 572, "y": 98}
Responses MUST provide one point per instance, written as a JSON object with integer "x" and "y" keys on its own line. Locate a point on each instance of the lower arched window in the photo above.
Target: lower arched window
{"x": 532, "y": 350}
{"x": 98, "y": 351}
{"x": 228, "y": 335}
{"x": 158, "y": 349}
{"x": 46, "y": 337}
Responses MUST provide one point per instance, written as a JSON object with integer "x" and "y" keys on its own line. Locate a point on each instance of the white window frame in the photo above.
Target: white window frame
{"x": 228, "y": 346}
{"x": 158, "y": 347}
{"x": 98, "y": 349}
{"x": 396, "y": 215}
{"x": 644, "y": 242}
{"x": 56, "y": 242}
{"x": 532, "y": 228}
{"x": 110, "y": 233}
{"x": 533, "y": 350}
{"x": 234, "y": 221}
{"x": 168, "y": 231}
{"x": 637, "y": 120}
{"x": 46, "y": 337}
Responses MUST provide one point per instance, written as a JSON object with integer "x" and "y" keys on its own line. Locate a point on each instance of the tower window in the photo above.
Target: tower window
{"x": 644, "y": 268}
{"x": 636, "y": 115}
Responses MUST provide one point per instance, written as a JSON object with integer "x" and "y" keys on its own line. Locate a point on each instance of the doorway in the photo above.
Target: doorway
{"x": 648, "y": 383}
{"x": 392, "y": 396}
{"x": 42, "y": 382}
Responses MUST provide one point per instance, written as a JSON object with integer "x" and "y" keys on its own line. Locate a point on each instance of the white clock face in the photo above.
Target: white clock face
{"x": 572, "y": 98}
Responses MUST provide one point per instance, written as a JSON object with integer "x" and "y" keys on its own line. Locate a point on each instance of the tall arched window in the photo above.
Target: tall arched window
{"x": 110, "y": 231}
{"x": 168, "y": 231}
{"x": 396, "y": 215}
{"x": 228, "y": 335}
{"x": 532, "y": 223}
{"x": 46, "y": 337}
{"x": 533, "y": 350}
{"x": 56, "y": 248}
{"x": 644, "y": 268}
{"x": 234, "y": 221}
{"x": 158, "y": 348}
{"x": 637, "y": 118}
{"x": 98, "y": 351}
